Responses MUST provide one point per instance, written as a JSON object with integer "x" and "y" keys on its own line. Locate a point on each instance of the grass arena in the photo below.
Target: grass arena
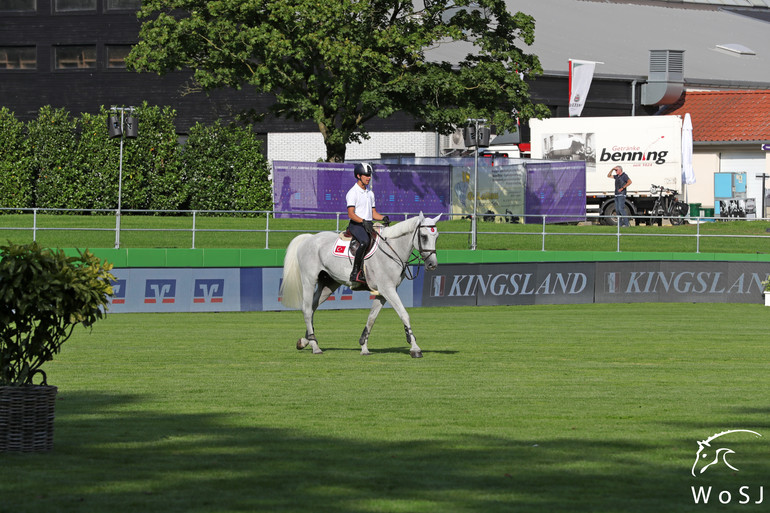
{"x": 548, "y": 407}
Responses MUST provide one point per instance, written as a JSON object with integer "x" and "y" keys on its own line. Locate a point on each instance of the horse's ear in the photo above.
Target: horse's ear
{"x": 421, "y": 215}
{"x": 435, "y": 219}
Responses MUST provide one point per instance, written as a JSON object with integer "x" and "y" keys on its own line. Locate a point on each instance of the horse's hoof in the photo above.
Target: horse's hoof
{"x": 366, "y": 353}
{"x": 318, "y": 351}
{"x": 301, "y": 344}
{"x": 416, "y": 354}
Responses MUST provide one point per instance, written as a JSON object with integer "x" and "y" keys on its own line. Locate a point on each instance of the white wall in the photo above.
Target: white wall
{"x": 309, "y": 146}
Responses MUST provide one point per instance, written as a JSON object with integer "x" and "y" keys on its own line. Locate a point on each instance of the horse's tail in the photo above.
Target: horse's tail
{"x": 291, "y": 285}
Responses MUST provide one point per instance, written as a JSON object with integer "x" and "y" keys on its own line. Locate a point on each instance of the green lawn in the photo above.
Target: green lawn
{"x": 582, "y": 408}
{"x": 98, "y": 231}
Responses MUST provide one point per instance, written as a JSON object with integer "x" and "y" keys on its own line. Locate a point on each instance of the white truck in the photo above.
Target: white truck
{"x": 648, "y": 148}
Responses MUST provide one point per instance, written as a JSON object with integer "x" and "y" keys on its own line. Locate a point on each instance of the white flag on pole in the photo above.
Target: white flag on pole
{"x": 581, "y": 73}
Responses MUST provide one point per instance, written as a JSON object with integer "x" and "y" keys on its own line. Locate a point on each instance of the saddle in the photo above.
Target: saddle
{"x": 346, "y": 246}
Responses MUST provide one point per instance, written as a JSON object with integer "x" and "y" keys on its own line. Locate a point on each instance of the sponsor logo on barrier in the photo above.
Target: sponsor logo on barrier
{"x": 508, "y": 284}
{"x": 209, "y": 290}
{"x": 437, "y": 286}
{"x": 160, "y": 291}
{"x": 682, "y": 282}
{"x": 118, "y": 292}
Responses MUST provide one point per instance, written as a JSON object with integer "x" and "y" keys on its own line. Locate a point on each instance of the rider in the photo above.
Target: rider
{"x": 361, "y": 211}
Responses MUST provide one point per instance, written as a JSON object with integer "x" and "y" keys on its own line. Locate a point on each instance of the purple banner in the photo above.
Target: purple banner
{"x": 318, "y": 189}
{"x": 557, "y": 190}
{"x": 402, "y": 188}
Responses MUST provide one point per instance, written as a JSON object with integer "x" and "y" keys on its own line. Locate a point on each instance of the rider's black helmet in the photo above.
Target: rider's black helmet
{"x": 362, "y": 169}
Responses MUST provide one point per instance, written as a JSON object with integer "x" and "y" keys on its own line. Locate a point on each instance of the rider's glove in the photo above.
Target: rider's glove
{"x": 369, "y": 227}
{"x": 385, "y": 220}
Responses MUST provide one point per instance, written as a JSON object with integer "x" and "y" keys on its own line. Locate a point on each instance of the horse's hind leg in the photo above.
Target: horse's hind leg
{"x": 311, "y": 298}
{"x": 377, "y": 305}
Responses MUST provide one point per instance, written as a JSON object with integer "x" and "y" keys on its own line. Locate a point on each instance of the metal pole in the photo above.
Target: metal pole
{"x": 120, "y": 183}
{"x": 474, "y": 222}
{"x": 697, "y": 236}
{"x": 474, "y": 228}
{"x": 193, "y": 231}
{"x": 267, "y": 230}
{"x": 34, "y": 225}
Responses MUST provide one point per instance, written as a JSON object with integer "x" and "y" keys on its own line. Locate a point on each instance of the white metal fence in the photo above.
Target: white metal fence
{"x": 341, "y": 223}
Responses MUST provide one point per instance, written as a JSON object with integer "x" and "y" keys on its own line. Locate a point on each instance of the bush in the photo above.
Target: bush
{"x": 44, "y": 294}
{"x": 224, "y": 169}
{"x": 15, "y": 170}
{"x": 57, "y": 161}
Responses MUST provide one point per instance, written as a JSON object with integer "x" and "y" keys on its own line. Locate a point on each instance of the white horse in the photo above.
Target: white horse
{"x": 311, "y": 273}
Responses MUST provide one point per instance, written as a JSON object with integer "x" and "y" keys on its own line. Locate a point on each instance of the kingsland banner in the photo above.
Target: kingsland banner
{"x": 595, "y": 282}
{"x": 254, "y": 289}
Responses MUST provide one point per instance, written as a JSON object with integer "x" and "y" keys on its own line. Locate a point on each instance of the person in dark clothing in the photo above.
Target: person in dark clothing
{"x": 622, "y": 182}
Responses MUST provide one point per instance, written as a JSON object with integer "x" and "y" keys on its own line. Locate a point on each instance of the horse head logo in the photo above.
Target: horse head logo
{"x": 710, "y": 455}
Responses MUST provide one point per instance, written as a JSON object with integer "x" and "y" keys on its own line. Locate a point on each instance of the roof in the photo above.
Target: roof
{"x": 621, "y": 33}
{"x": 726, "y": 116}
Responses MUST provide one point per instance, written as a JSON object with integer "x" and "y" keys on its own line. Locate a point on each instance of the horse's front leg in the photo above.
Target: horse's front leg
{"x": 391, "y": 295}
{"x": 377, "y": 305}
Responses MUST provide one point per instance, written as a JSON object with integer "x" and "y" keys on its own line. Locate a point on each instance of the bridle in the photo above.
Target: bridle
{"x": 423, "y": 254}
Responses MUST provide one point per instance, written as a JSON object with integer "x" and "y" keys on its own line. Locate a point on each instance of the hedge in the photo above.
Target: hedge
{"x": 60, "y": 161}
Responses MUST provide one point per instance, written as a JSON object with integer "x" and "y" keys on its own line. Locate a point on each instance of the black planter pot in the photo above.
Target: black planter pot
{"x": 26, "y": 418}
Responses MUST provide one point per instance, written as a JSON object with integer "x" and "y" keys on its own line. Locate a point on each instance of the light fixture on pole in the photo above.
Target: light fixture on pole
{"x": 115, "y": 125}
{"x": 476, "y": 136}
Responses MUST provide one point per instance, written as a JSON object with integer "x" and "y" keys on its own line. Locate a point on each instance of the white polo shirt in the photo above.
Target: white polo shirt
{"x": 362, "y": 200}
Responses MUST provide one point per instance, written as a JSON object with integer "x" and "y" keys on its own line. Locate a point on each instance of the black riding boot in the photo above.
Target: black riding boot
{"x": 357, "y": 275}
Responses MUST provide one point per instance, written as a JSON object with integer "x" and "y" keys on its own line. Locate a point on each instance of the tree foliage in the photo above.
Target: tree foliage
{"x": 340, "y": 63}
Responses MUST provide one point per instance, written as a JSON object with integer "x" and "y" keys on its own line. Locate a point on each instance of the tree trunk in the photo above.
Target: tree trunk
{"x": 335, "y": 152}
{"x": 334, "y": 142}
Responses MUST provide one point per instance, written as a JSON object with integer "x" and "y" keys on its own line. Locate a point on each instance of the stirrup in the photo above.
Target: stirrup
{"x": 358, "y": 277}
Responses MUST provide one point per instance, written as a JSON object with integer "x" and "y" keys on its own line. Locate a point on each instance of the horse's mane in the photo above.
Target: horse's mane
{"x": 402, "y": 228}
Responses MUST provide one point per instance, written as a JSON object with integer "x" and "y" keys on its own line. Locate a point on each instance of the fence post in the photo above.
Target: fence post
{"x": 542, "y": 245}
{"x": 34, "y": 225}
{"x": 117, "y": 227}
{"x": 267, "y": 230}
{"x": 617, "y": 250}
{"x": 697, "y": 236}
{"x": 193, "y": 230}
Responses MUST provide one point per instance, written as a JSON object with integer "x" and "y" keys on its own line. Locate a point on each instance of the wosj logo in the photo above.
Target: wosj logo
{"x": 711, "y": 455}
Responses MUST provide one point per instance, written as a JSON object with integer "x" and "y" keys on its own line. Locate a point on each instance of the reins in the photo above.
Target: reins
{"x": 413, "y": 259}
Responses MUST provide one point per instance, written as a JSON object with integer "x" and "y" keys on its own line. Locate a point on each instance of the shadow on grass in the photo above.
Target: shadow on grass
{"x": 389, "y": 350}
{"x": 110, "y": 455}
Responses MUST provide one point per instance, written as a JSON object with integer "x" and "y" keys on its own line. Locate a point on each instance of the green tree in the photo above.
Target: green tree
{"x": 341, "y": 63}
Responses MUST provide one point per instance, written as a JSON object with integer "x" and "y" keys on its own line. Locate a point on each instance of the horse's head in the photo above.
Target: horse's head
{"x": 426, "y": 235}
{"x": 708, "y": 455}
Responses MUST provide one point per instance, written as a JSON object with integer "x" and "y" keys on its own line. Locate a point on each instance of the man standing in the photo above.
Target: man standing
{"x": 622, "y": 182}
{"x": 361, "y": 211}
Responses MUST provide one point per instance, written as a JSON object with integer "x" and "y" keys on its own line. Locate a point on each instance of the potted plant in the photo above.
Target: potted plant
{"x": 44, "y": 294}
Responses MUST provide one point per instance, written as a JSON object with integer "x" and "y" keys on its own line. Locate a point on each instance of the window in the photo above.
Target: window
{"x": 115, "y": 5}
{"x": 18, "y": 57}
{"x": 18, "y": 5}
{"x": 74, "y": 5}
{"x": 75, "y": 57}
{"x": 116, "y": 56}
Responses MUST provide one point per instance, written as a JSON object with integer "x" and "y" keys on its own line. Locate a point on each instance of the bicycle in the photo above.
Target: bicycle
{"x": 667, "y": 205}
